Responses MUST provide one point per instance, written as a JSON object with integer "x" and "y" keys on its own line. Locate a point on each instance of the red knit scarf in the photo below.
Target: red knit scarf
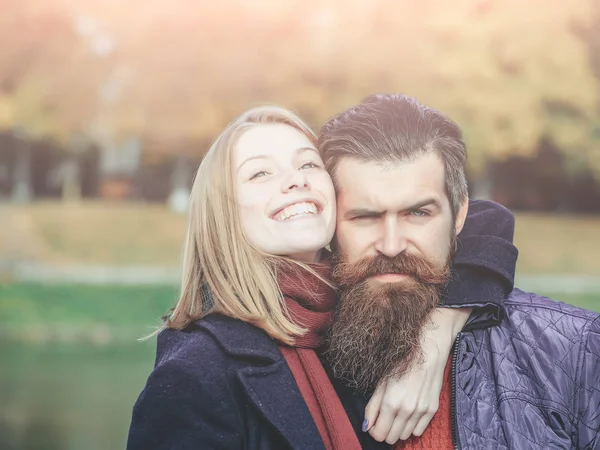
{"x": 310, "y": 303}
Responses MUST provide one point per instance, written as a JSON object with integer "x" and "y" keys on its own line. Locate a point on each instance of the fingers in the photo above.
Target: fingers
{"x": 395, "y": 432}
{"x": 401, "y": 429}
{"x": 395, "y": 410}
{"x": 412, "y": 420}
{"x": 374, "y": 405}
{"x": 422, "y": 424}
{"x": 416, "y": 425}
{"x": 386, "y": 419}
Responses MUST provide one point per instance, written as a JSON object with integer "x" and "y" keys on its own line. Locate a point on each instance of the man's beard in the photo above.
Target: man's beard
{"x": 377, "y": 326}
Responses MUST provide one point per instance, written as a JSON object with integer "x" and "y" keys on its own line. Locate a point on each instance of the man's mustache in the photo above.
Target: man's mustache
{"x": 423, "y": 271}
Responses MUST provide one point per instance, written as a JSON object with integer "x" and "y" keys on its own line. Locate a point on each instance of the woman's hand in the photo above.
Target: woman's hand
{"x": 404, "y": 406}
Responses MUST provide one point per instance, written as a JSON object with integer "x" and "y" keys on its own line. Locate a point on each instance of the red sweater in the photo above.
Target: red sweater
{"x": 438, "y": 435}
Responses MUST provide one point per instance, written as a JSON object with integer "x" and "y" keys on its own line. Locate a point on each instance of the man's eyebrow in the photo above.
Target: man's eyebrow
{"x": 432, "y": 201}
{"x": 366, "y": 212}
{"x": 361, "y": 212}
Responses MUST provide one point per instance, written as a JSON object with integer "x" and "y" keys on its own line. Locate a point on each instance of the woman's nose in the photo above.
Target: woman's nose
{"x": 296, "y": 181}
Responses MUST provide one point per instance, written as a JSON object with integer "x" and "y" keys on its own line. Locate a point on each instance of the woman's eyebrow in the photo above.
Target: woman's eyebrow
{"x": 252, "y": 158}
{"x": 304, "y": 149}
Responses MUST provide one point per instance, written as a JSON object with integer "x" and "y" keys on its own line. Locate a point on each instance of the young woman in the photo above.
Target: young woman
{"x": 236, "y": 364}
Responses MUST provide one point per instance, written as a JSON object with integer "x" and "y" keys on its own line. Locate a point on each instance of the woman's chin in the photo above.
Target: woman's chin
{"x": 307, "y": 253}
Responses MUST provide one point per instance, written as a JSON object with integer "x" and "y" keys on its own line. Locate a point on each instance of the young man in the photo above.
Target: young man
{"x": 527, "y": 377}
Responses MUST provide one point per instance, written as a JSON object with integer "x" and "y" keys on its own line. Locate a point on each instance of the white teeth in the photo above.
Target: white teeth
{"x": 296, "y": 210}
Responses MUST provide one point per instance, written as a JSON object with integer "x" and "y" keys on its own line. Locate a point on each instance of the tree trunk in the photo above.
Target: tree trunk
{"x": 21, "y": 188}
{"x": 71, "y": 180}
{"x": 482, "y": 185}
{"x": 179, "y": 198}
{"x": 482, "y": 189}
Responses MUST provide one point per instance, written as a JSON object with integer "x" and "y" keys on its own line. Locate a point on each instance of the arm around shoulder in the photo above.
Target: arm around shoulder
{"x": 483, "y": 267}
{"x": 185, "y": 406}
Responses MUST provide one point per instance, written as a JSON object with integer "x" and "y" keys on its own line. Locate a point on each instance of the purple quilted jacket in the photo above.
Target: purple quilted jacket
{"x": 532, "y": 382}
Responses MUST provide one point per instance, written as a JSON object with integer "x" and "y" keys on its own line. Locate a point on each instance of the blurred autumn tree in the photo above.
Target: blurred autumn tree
{"x": 168, "y": 75}
{"x": 48, "y": 83}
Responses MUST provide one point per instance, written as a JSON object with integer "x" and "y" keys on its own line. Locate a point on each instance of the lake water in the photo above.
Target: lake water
{"x": 70, "y": 397}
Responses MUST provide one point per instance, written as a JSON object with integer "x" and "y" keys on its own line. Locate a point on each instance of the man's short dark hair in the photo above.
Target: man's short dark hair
{"x": 396, "y": 128}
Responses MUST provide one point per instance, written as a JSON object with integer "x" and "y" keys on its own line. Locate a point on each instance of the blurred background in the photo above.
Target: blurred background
{"x": 107, "y": 107}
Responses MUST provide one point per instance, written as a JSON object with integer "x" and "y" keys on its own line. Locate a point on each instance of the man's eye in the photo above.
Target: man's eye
{"x": 260, "y": 174}
{"x": 420, "y": 213}
{"x": 363, "y": 218}
{"x": 309, "y": 165}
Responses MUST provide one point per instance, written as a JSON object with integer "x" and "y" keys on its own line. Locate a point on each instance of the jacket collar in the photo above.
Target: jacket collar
{"x": 266, "y": 379}
{"x": 240, "y": 339}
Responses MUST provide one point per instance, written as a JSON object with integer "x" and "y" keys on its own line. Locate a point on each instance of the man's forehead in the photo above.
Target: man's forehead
{"x": 355, "y": 174}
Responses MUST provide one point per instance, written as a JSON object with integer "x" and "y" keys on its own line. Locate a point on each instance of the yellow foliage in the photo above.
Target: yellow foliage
{"x": 509, "y": 72}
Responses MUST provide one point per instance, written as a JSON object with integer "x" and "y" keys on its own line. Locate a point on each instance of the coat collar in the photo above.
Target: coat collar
{"x": 240, "y": 339}
{"x": 266, "y": 379}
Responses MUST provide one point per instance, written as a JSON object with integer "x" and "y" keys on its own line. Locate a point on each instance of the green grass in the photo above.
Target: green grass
{"x": 103, "y": 315}
{"x": 79, "y": 313}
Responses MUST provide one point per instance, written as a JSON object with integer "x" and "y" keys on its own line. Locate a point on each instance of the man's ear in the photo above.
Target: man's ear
{"x": 461, "y": 216}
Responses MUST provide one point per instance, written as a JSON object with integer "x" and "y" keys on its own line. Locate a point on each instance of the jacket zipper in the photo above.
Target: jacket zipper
{"x": 455, "y": 437}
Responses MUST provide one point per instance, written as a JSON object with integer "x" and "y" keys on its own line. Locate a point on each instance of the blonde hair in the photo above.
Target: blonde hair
{"x": 242, "y": 279}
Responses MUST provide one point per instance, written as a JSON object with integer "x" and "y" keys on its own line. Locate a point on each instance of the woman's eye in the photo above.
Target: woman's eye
{"x": 260, "y": 174}
{"x": 309, "y": 165}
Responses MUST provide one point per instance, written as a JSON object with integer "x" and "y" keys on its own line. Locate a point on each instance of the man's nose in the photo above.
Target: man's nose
{"x": 393, "y": 239}
{"x": 296, "y": 179}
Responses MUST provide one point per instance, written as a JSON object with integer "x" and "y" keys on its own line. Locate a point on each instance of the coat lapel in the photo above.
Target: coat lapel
{"x": 267, "y": 380}
{"x": 273, "y": 391}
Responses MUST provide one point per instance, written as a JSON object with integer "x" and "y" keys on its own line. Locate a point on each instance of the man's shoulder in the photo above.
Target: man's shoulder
{"x": 553, "y": 333}
{"x": 519, "y": 299}
{"x": 525, "y": 307}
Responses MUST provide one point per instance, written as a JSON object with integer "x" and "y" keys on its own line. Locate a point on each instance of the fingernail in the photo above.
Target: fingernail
{"x": 365, "y": 425}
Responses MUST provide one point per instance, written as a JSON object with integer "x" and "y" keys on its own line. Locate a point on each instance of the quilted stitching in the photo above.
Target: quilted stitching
{"x": 589, "y": 433}
{"x": 532, "y": 382}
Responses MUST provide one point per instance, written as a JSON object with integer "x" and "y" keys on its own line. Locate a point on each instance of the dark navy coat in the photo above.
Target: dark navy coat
{"x": 223, "y": 384}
